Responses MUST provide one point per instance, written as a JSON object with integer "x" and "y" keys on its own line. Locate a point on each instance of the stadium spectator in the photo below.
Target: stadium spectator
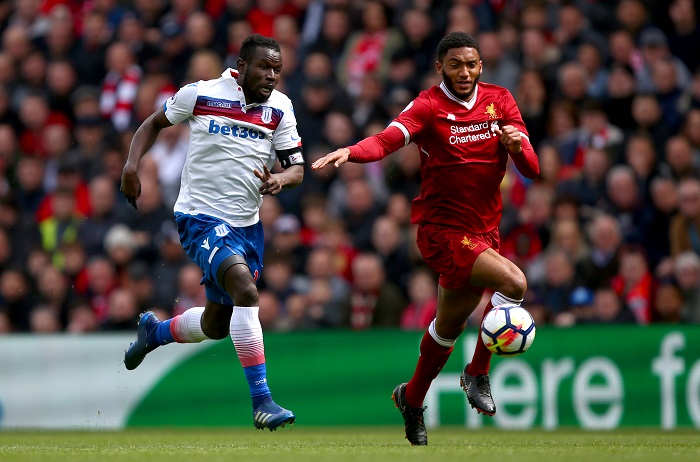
{"x": 53, "y": 293}
{"x": 81, "y": 319}
{"x": 422, "y": 295}
{"x": 625, "y": 202}
{"x": 605, "y": 236}
{"x": 387, "y": 241}
{"x": 609, "y": 308}
{"x": 102, "y": 218}
{"x": 61, "y": 226}
{"x": 286, "y": 242}
{"x": 635, "y": 284}
{"x": 190, "y": 290}
{"x": 122, "y": 311}
{"x": 368, "y": 50}
{"x": 531, "y": 96}
{"x": 668, "y": 302}
{"x": 43, "y": 320}
{"x": 120, "y": 85}
{"x": 102, "y": 281}
{"x": 686, "y": 270}
{"x": 619, "y": 91}
{"x": 16, "y": 298}
{"x": 664, "y": 203}
{"x": 684, "y": 233}
{"x": 680, "y": 158}
{"x": 373, "y": 301}
{"x": 170, "y": 261}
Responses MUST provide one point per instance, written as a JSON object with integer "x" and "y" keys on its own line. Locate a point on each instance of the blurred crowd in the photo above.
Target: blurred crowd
{"x": 609, "y": 90}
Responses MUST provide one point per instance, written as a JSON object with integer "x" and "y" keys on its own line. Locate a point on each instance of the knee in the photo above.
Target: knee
{"x": 215, "y": 330}
{"x": 514, "y": 284}
{"x": 245, "y": 295}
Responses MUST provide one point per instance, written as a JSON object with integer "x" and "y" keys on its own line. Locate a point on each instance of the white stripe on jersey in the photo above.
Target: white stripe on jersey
{"x": 228, "y": 140}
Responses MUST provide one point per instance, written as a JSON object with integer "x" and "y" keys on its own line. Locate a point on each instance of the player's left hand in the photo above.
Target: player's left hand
{"x": 271, "y": 183}
{"x": 510, "y": 137}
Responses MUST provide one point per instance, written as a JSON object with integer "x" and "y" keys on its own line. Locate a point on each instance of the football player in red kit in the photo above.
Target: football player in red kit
{"x": 465, "y": 131}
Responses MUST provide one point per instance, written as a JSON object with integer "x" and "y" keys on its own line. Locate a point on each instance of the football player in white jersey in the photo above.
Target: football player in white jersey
{"x": 239, "y": 126}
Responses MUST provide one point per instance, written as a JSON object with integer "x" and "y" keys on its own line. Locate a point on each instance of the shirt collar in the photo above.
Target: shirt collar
{"x": 468, "y": 104}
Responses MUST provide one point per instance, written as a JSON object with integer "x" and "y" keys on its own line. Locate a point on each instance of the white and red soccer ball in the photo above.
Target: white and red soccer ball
{"x": 508, "y": 330}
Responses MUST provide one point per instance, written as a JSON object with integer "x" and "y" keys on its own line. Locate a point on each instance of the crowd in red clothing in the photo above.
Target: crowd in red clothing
{"x": 609, "y": 92}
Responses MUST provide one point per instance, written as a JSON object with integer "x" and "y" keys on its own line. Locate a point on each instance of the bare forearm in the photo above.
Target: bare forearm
{"x": 143, "y": 139}
{"x": 292, "y": 177}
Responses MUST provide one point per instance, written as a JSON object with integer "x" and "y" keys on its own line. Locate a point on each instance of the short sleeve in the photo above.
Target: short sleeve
{"x": 286, "y": 135}
{"x": 179, "y": 106}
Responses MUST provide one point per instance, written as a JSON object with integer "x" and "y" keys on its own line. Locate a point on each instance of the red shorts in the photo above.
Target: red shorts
{"x": 452, "y": 253}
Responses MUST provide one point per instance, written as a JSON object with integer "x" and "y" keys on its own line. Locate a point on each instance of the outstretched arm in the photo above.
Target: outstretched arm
{"x": 143, "y": 139}
{"x": 370, "y": 149}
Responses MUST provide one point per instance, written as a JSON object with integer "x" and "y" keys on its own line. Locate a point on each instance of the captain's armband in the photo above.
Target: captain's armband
{"x": 289, "y": 157}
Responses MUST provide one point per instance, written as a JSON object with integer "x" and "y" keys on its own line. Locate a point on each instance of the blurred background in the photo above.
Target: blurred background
{"x": 609, "y": 91}
{"x": 609, "y": 233}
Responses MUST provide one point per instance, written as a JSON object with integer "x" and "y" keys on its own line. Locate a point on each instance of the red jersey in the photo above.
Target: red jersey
{"x": 462, "y": 159}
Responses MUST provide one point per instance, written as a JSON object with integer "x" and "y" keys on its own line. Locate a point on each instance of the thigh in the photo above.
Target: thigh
{"x": 494, "y": 271}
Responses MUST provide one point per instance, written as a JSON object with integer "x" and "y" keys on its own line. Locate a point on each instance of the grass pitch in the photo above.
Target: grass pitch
{"x": 348, "y": 444}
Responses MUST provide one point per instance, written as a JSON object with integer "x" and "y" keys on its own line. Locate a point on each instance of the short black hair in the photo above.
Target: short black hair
{"x": 456, "y": 40}
{"x": 255, "y": 41}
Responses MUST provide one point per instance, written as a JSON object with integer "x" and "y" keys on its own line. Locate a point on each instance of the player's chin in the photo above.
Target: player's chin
{"x": 264, "y": 93}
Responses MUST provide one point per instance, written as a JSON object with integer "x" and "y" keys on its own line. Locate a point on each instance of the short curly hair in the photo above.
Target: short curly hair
{"x": 255, "y": 41}
{"x": 456, "y": 40}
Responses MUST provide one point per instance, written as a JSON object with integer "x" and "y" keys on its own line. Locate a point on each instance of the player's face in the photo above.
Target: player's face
{"x": 461, "y": 70}
{"x": 261, "y": 75}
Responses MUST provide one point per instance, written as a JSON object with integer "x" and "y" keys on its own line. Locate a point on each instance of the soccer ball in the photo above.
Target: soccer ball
{"x": 508, "y": 330}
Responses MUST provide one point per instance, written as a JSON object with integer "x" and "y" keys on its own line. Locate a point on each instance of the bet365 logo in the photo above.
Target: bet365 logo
{"x": 236, "y": 131}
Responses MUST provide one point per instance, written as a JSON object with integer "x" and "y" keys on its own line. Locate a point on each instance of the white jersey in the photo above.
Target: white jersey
{"x": 228, "y": 140}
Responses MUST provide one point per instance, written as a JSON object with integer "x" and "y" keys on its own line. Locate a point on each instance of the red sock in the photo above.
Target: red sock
{"x": 481, "y": 362}
{"x": 433, "y": 357}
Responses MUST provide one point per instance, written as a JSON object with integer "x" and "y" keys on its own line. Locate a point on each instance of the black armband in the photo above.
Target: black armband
{"x": 289, "y": 157}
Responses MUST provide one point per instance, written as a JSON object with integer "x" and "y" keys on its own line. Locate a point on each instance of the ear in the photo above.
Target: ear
{"x": 240, "y": 66}
{"x": 438, "y": 67}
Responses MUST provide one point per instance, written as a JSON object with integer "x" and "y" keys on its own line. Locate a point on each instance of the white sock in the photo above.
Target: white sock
{"x": 447, "y": 343}
{"x": 247, "y": 336}
{"x": 498, "y": 299}
{"x": 188, "y": 326}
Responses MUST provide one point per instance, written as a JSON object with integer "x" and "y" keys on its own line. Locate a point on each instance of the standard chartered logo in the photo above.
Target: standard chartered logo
{"x": 470, "y": 133}
{"x": 656, "y": 385}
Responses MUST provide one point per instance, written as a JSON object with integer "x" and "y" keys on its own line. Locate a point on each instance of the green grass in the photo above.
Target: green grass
{"x": 348, "y": 444}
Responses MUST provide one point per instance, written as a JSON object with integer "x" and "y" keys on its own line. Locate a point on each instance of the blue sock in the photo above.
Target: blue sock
{"x": 257, "y": 381}
{"x": 162, "y": 333}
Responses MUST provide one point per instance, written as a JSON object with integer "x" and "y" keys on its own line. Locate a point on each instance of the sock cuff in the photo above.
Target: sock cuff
{"x": 499, "y": 299}
{"x": 245, "y": 315}
{"x": 187, "y": 328}
{"x": 439, "y": 340}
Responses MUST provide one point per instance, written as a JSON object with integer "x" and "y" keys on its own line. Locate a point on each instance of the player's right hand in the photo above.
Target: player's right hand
{"x": 338, "y": 157}
{"x": 131, "y": 186}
